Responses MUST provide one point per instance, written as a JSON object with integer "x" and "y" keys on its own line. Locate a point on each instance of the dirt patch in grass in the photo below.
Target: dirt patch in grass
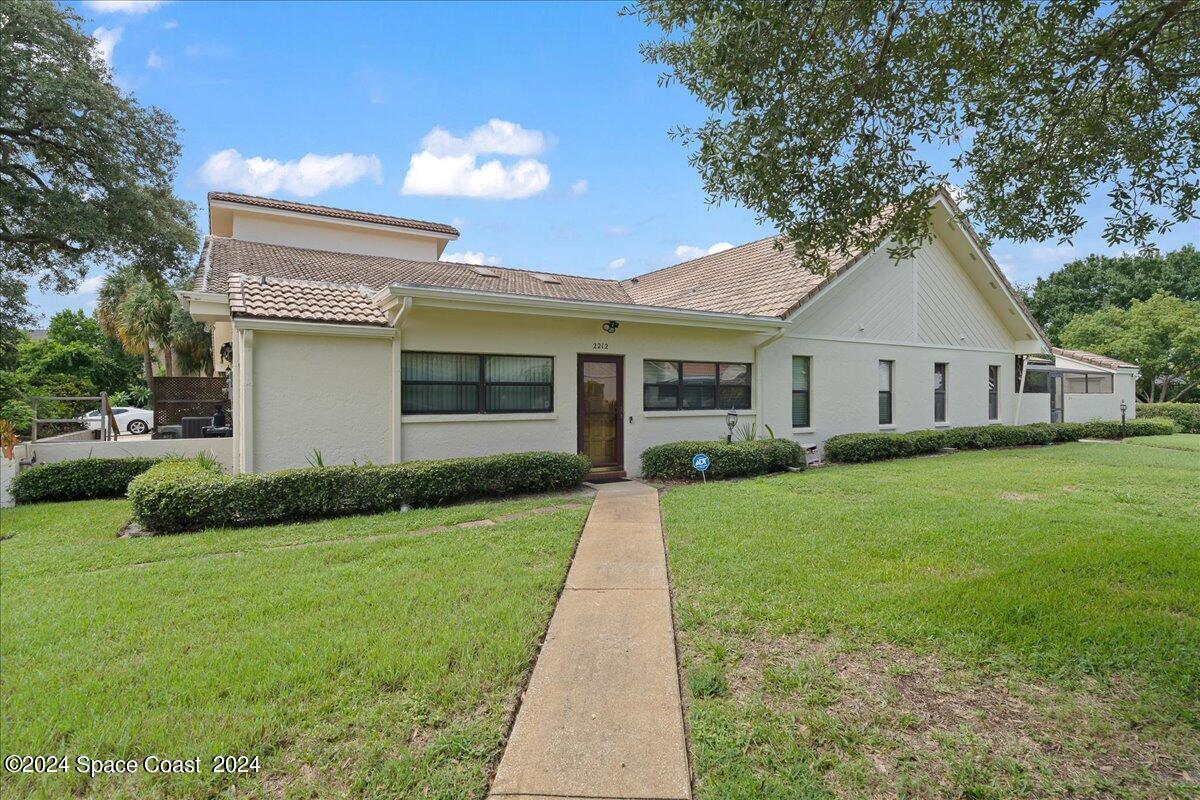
{"x": 1018, "y": 497}
{"x": 886, "y": 722}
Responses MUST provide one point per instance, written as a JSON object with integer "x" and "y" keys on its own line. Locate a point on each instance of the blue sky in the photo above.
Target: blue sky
{"x": 337, "y": 103}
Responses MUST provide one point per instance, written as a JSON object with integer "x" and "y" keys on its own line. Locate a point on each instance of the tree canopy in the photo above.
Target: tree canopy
{"x": 1161, "y": 335}
{"x": 85, "y": 172}
{"x": 817, "y": 111}
{"x": 1094, "y": 282}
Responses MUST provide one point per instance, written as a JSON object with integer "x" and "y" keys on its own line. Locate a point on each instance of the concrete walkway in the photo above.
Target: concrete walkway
{"x": 601, "y": 717}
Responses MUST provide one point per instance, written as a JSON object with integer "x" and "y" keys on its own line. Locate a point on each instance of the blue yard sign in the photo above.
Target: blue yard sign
{"x": 701, "y": 463}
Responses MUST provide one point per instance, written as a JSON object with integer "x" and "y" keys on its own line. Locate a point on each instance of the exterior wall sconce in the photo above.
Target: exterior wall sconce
{"x": 611, "y": 326}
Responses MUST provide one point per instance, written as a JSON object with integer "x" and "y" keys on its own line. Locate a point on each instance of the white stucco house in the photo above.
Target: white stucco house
{"x": 344, "y": 332}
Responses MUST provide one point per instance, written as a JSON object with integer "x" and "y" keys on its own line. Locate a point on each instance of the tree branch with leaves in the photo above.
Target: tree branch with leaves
{"x": 838, "y": 120}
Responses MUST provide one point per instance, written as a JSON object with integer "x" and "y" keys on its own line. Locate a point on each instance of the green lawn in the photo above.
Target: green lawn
{"x": 366, "y": 656}
{"x": 1019, "y": 623}
{"x": 1181, "y": 441}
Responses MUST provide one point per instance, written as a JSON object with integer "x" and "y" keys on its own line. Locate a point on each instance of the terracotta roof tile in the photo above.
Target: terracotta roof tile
{"x": 309, "y": 301}
{"x": 758, "y": 278}
{"x": 337, "y": 213}
{"x": 222, "y": 257}
{"x": 1092, "y": 358}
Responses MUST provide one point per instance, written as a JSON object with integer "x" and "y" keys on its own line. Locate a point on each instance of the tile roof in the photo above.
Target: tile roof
{"x": 309, "y": 301}
{"x": 336, "y": 213}
{"x": 223, "y": 256}
{"x": 1092, "y": 358}
{"x": 761, "y": 278}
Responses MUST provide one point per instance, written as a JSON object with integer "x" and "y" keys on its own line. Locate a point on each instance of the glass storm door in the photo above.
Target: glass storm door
{"x": 1056, "y": 398}
{"x": 600, "y": 410}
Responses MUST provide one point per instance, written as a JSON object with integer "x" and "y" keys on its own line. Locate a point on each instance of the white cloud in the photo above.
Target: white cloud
{"x": 305, "y": 177}
{"x": 155, "y": 61}
{"x": 89, "y": 285}
{"x": 688, "y": 252}
{"x": 497, "y": 136}
{"x": 106, "y": 41}
{"x": 123, "y": 6}
{"x": 579, "y": 187}
{"x": 617, "y": 230}
{"x": 472, "y": 257}
{"x": 170, "y": 25}
{"x": 448, "y": 165}
{"x": 616, "y": 264}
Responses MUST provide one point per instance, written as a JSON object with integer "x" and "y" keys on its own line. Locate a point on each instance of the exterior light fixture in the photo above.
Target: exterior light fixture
{"x": 611, "y": 326}
{"x": 1124, "y": 408}
{"x": 731, "y": 419}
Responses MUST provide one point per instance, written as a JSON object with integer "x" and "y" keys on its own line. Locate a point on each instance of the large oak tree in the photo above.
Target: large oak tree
{"x": 85, "y": 172}
{"x": 828, "y": 115}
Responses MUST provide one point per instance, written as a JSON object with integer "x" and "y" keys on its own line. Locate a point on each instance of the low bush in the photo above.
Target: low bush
{"x": 1111, "y": 429}
{"x": 188, "y": 495}
{"x": 82, "y": 479}
{"x": 673, "y": 461}
{"x": 1185, "y": 415}
{"x": 856, "y": 448}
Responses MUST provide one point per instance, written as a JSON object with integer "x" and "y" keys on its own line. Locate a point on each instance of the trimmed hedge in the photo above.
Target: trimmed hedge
{"x": 673, "y": 461}
{"x": 857, "y": 448}
{"x": 1111, "y": 429}
{"x": 1185, "y": 415}
{"x": 188, "y": 495}
{"x": 82, "y": 479}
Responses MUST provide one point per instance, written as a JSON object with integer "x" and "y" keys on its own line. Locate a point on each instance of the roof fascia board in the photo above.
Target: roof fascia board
{"x": 312, "y": 328}
{"x": 1089, "y": 367}
{"x": 205, "y": 306}
{"x": 549, "y": 306}
{"x": 248, "y": 208}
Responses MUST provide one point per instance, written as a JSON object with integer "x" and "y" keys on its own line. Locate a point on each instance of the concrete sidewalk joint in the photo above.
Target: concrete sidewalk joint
{"x": 601, "y": 718}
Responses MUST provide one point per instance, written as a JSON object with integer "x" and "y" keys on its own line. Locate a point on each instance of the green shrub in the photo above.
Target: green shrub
{"x": 82, "y": 479}
{"x": 1185, "y": 415}
{"x": 187, "y": 495}
{"x": 673, "y": 461}
{"x": 1111, "y": 429}
{"x": 857, "y": 448}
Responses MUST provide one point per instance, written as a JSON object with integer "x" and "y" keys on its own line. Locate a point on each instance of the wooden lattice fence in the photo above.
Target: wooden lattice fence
{"x": 176, "y": 398}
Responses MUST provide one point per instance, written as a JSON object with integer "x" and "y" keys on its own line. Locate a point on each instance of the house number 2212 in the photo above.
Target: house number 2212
{"x": 599, "y": 345}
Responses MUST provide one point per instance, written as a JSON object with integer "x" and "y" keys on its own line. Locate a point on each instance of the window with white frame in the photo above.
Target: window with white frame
{"x": 940, "y": 371}
{"x": 801, "y": 391}
{"x": 886, "y": 369}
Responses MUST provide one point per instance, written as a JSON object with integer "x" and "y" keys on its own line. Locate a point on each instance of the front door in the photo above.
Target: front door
{"x": 1056, "y": 397}
{"x": 601, "y": 412}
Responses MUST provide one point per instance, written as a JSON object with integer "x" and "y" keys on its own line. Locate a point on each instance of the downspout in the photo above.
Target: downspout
{"x": 397, "y": 317}
{"x": 758, "y": 376}
{"x": 247, "y": 395}
{"x": 1021, "y": 390}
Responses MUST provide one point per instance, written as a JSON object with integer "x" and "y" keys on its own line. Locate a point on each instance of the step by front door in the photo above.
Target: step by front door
{"x": 601, "y": 411}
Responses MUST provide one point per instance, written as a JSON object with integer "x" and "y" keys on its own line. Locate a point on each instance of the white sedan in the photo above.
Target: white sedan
{"x": 129, "y": 419}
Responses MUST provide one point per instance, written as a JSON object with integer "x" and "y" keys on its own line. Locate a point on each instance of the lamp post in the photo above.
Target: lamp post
{"x": 731, "y": 423}
{"x": 1123, "y": 409}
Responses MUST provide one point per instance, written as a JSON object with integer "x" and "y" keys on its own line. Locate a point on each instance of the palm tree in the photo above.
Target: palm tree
{"x": 143, "y": 320}
{"x": 191, "y": 342}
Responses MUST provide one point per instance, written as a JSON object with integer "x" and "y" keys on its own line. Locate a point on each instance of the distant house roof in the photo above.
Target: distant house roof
{"x": 1092, "y": 358}
{"x": 335, "y": 213}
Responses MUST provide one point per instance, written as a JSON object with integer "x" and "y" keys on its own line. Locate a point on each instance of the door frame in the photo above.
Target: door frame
{"x": 619, "y": 360}
{"x": 1058, "y": 397}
